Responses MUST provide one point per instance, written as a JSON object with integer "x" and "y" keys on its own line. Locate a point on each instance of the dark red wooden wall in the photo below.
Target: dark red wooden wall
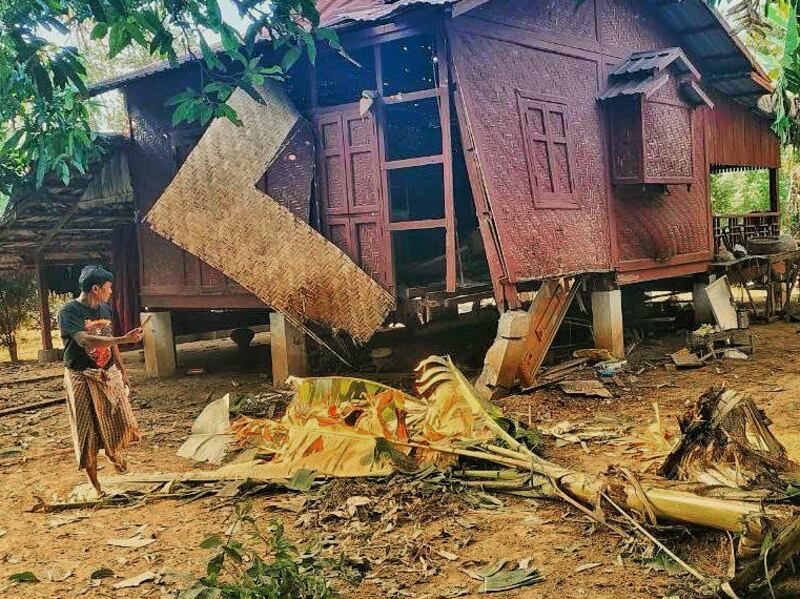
{"x": 170, "y": 277}
{"x": 527, "y": 75}
{"x": 547, "y": 47}
{"x": 737, "y": 137}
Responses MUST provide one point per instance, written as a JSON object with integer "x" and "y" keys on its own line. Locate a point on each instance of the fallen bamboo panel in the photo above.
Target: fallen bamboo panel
{"x": 213, "y": 210}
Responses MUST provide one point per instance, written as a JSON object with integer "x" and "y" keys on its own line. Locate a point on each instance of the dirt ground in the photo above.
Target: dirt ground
{"x": 441, "y": 537}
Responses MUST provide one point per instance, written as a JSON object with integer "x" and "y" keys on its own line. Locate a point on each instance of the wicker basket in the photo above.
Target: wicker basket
{"x": 766, "y": 245}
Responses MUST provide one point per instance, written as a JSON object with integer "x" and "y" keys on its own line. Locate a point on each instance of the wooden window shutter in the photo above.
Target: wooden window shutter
{"x": 549, "y": 150}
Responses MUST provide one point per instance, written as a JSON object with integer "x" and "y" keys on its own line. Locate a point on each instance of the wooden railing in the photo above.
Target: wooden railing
{"x": 738, "y": 228}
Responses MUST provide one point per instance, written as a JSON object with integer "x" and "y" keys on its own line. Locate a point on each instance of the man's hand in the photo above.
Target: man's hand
{"x": 133, "y": 336}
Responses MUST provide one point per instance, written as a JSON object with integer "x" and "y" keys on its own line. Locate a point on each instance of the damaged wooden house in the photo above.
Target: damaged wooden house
{"x": 470, "y": 149}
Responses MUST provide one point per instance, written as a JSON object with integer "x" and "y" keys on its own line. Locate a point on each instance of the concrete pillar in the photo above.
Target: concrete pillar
{"x": 607, "y": 321}
{"x": 502, "y": 361}
{"x": 159, "y": 344}
{"x": 288, "y": 349}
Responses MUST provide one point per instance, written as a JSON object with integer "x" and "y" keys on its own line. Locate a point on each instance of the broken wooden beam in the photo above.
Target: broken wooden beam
{"x": 31, "y": 406}
{"x": 547, "y": 312}
{"x": 33, "y": 379}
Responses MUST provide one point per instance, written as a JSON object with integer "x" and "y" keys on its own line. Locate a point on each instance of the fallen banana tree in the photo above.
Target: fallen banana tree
{"x": 347, "y": 427}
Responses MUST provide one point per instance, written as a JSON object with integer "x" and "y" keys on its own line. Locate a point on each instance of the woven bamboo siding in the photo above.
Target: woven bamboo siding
{"x": 213, "y": 210}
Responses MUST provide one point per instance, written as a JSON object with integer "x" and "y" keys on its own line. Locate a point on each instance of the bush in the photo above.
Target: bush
{"x": 17, "y": 306}
{"x": 281, "y": 571}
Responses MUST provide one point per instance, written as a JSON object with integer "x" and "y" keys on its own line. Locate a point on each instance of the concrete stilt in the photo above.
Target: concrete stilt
{"x": 288, "y": 349}
{"x": 607, "y": 321}
{"x": 159, "y": 345}
{"x": 503, "y": 358}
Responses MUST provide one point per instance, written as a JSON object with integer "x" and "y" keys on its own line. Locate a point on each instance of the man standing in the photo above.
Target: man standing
{"x": 99, "y": 410}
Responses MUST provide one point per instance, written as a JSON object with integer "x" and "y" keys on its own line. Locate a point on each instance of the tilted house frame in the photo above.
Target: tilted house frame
{"x": 553, "y": 138}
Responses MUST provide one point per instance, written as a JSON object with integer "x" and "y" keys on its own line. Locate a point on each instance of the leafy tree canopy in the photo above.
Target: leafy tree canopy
{"x": 44, "y": 102}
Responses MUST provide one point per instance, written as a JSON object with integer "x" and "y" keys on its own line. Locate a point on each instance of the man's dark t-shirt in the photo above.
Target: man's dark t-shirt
{"x": 73, "y": 318}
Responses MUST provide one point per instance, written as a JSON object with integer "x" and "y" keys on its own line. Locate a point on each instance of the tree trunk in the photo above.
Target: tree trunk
{"x": 12, "y": 351}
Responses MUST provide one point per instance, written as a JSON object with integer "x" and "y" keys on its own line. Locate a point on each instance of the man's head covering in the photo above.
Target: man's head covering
{"x": 93, "y": 275}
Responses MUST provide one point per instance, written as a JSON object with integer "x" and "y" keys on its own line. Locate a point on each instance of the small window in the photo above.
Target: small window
{"x": 548, "y": 150}
{"x": 413, "y": 130}
{"x": 408, "y": 65}
{"x": 339, "y": 81}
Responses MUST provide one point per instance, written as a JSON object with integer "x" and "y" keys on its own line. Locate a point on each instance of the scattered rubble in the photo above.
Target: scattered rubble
{"x": 727, "y": 472}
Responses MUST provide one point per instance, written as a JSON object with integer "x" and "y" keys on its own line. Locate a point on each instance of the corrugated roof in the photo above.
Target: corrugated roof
{"x": 646, "y": 72}
{"x": 332, "y": 14}
{"x": 711, "y": 43}
{"x": 376, "y": 10}
{"x": 704, "y": 35}
{"x": 655, "y": 61}
{"x": 634, "y": 86}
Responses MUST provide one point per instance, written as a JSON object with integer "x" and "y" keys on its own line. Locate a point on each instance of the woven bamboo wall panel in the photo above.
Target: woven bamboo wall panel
{"x": 213, "y": 210}
{"x": 668, "y": 145}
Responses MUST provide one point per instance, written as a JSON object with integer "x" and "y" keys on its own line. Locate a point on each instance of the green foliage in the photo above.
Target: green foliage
{"x": 740, "y": 192}
{"x": 280, "y": 571}
{"x": 23, "y": 577}
{"x": 44, "y": 116}
{"x": 769, "y": 28}
{"x": 17, "y": 304}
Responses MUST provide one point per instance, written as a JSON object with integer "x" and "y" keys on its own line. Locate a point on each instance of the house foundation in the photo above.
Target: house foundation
{"x": 607, "y": 321}
{"x": 159, "y": 345}
{"x": 288, "y": 349}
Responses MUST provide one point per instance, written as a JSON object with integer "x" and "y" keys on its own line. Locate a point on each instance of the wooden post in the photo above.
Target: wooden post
{"x": 159, "y": 345}
{"x": 607, "y": 321}
{"x": 288, "y": 349}
{"x": 774, "y": 200}
{"x": 44, "y": 307}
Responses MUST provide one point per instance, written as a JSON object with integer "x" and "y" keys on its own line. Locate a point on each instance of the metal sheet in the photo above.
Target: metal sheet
{"x": 722, "y": 304}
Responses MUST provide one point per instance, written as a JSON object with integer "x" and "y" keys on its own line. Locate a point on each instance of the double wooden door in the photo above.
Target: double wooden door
{"x": 350, "y": 189}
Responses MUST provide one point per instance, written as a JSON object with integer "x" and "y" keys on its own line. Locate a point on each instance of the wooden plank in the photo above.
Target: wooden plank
{"x": 721, "y": 300}
{"x": 412, "y": 162}
{"x": 32, "y": 406}
{"x": 491, "y": 242}
{"x": 546, "y": 315}
{"x": 44, "y": 307}
{"x": 409, "y": 225}
{"x": 447, "y": 150}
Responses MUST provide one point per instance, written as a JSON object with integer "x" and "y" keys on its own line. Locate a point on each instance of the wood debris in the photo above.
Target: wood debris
{"x": 587, "y": 388}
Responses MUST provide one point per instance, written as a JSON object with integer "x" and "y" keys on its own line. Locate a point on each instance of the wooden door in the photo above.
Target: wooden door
{"x": 350, "y": 190}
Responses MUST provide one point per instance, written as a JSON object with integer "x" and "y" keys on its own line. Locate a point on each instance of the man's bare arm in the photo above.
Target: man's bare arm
{"x": 87, "y": 341}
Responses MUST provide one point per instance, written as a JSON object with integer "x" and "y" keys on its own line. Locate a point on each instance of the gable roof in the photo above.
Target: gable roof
{"x": 653, "y": 62}
{"x": 707, "y": 37}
